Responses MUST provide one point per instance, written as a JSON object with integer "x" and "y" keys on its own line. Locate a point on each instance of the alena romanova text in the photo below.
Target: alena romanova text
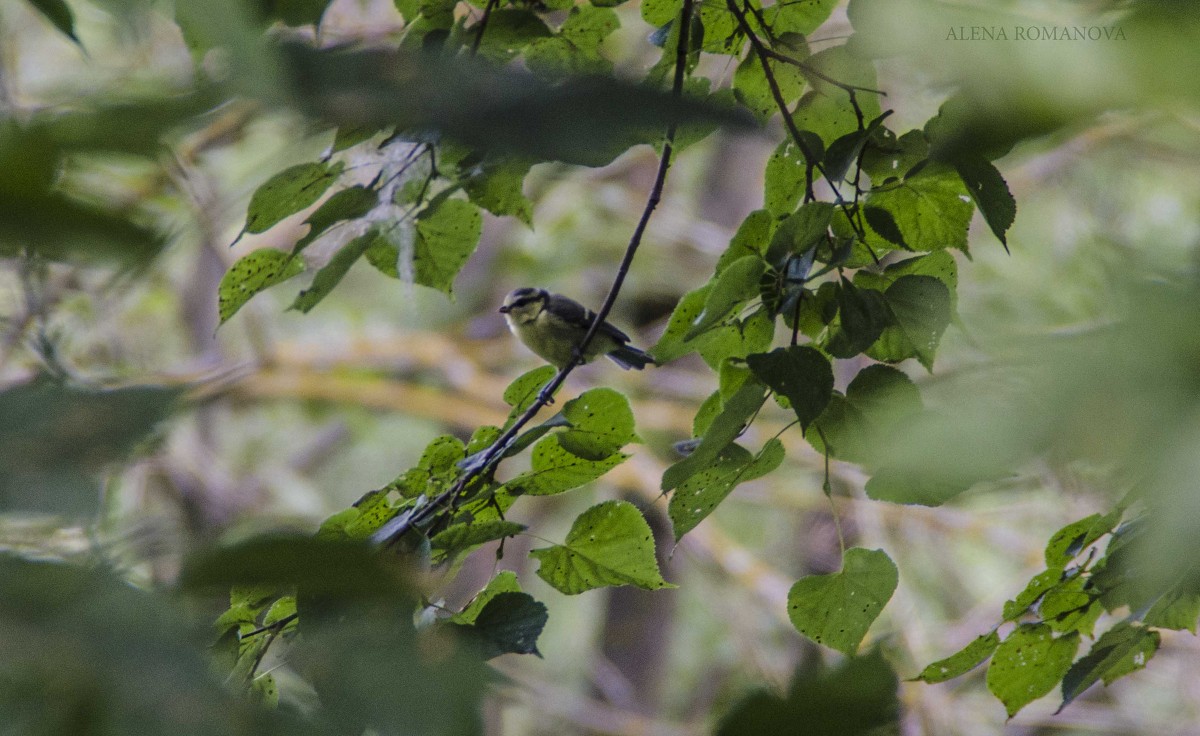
{"x": 1035, "y": 33}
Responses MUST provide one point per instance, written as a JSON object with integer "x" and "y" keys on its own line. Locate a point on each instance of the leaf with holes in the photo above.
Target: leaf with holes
{"x": 962, "y": 661}
{"x": 601, "y": 423}
{"x": 610, "y": 544}
{"x": 251, "y": 274}
{"x": 1028, "y": 664}
{"x": 693, "y": 501}
{"x": 837, "y": 609}
{"x": 288, "y": 192}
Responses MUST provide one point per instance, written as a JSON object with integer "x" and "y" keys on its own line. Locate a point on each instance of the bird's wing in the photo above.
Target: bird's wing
{"x": 577, "y": 314}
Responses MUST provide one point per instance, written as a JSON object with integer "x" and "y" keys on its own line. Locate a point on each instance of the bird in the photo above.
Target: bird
{"x": 552, "y": 325}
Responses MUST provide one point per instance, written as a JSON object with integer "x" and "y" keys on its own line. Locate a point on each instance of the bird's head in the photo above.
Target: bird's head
{"x": 525, "y": 304}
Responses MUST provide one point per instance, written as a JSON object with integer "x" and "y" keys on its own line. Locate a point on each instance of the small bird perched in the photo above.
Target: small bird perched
{"x": 552, "y": 325}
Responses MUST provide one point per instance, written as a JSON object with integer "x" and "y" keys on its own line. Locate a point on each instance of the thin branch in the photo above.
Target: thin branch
{"x": 483, "y": 22}
{"x": 397, "y": 527}
{"x": 810, "y": 69}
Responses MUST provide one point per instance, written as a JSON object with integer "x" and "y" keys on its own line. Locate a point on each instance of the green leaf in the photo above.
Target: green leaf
{"x": 509, "y": 623}
{"x": 556, "y": 59}
{"x": 1071, "y": 606}
{"x": 58, "y": 13}
{"x": 1034, "y": 590}
{"x": 498, "y": 189}
{"x": 785, "y": 177}
{"x": 800, "y": 373}
{"x": 752, "y": 89}
{"x": 931, "y": 210}
{"x": 921, "y": 309}
{"x": 1066, "y": 543}
{"x": 56, "y": 439}
{"x": 288, "y": 192}
{"x": 990, "y": 193}
{"x": 1028, "y": 664}
{"x": 724, "y": 429}
{"x": 837, "y": 609}
{"x": 863, "y": 315}
{"x": 509, "y": 31}
{"x": 556, "y": 469}
{"x": 587, "y": 26}
{"x": 962, "y": 661}
{"x": 331, "y": 275}
{"x": 733, "y": 287}
{"x": 347, "y": 204}
{"x": 523, "y": 391}
{"x": 1123, "y": 649}
{"x": 660, "y": 12}
{"x": 609, "y": 544}
{"x": 800, "y": 230}
{"x": 751, "y": 239}
{"x": 1176, "y": 610}
{"x": 504, "y": 582}
{"x": 890, "y": 158}
{"x": 700, "y": 494}
{"x": 447, "y": 234}
{"x": 798, "y": 16}
{"x": 878, "y": 401}
{"x": 737, "y": 339}
{"x": 459, "y": 537}
{"x": 601, "y": 424}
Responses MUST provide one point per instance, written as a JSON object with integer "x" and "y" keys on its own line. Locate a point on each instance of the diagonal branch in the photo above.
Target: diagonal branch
{"x": 397, "y": 527}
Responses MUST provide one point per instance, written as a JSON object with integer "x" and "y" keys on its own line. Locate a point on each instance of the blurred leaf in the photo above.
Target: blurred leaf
{"x": 587, "y": 26}
{"x": 879, "y": 403}
{"x": 601, "y": 424}
{"x": 1028, "y": 664}
{"x": 586, "y": 121}
{"x": 509, "y": 31}
{"x": 253, "y": 273}
{"x": 288, "y": 192}
{"x": 724, "y": 429}
{"x": 963, "y": 661}
{"x": 1123, "y": 649}
{"x": 85, "y": 652}
{"x": 346, "y": 569}
{"x": 509, "y": 623}
{"x": 58, "y": 13}
{"x": 609, "y": 544}
{"x": 331, "y": 274}
{"x": 55, "y": 439}
{"x": 856, "y": 698}
{"x": 800, "y": 373}
{"x": 1176, "y": 610}
{"x": 700, "y": 494}
{"x": 837, "y": 609}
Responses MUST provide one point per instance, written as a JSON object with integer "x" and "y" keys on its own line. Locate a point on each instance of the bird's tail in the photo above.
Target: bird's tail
{"x": 627, "y": 356}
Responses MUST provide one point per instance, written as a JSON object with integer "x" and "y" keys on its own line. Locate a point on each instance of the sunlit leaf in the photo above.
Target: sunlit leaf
{"x": 1028, "y": 664}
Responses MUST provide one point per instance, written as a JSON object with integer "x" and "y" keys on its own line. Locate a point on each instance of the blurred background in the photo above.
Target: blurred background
{"x": 299, "y": 415}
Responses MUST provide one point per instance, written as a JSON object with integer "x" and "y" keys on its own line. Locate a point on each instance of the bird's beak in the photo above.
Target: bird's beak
{"x": 503, "y": 310}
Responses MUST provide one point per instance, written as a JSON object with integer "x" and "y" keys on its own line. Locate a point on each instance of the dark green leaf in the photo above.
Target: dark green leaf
{"x": 58, "y": 13}
{"x": 253, "y": 273}
{"x": 498, "y": 189}
{"x": 962, "y": 661}
{"x": 862, "y": 317}
{"x": 509, "y": 31}
{"x": 881, "y": 221}
{"x": 837, "y": 609}
{"x": 509, "y": 623}
{"x": 504, "y": 582}
{"x": 724, "y": 429}
{"x": 800, "y": 373}
{"x": 857, "y": 698}
{"x": 1028, "y": 664}
{"x": 700, "y": 494}
{"x": 800, "y": 231}
{"x": 990, "y": 193}
{"x": 288, "y": 192}
{"x": 921, "y": 308}
{"x": 1123, "y": 649}
{"x": 609, "y": 544}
